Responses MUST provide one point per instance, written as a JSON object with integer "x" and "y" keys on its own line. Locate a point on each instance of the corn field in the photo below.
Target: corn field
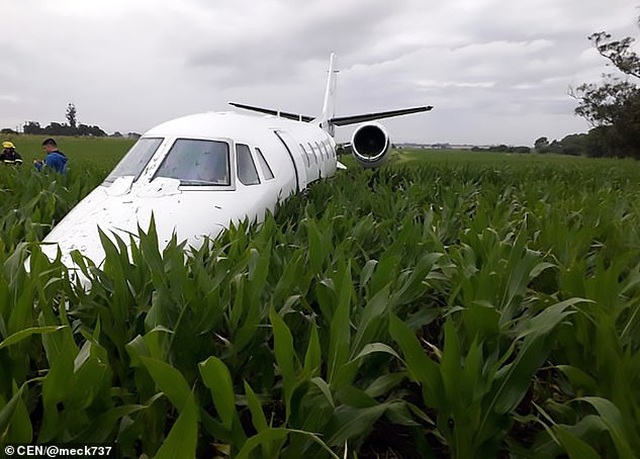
{"x": 427, "y": 309}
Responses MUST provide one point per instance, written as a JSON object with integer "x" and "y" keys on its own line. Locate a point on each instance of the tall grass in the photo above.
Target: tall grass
{"x": 436, "y": 309}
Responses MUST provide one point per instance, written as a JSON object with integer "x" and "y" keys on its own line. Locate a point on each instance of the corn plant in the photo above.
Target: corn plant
{"x": 450, "y": 306}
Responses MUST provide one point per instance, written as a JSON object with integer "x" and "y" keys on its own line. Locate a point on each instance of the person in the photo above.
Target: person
{"x": 54, "y": 158}
{"x": 9, "y": 154}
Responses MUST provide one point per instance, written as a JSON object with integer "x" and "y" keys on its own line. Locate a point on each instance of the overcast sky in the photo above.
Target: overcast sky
{"x": 497, "y": 71}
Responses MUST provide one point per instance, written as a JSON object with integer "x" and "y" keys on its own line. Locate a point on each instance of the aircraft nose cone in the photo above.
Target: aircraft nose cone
{"x": 121, "y": 211}
{"x": 78, "y": 232}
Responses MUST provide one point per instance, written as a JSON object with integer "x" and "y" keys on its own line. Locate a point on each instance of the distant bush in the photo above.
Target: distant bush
{"x": 504, "y": 149}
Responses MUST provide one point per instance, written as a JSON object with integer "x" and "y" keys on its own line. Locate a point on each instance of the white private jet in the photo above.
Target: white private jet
{"x": 199, "y": 173}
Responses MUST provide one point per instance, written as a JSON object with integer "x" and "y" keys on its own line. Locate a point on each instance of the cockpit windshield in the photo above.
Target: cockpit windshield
{"x": 197, "y": 162}
{"x": 135, "y": 160}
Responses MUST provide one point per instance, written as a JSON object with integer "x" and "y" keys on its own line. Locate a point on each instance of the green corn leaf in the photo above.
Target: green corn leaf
{"x": 324, "y": 388}
{"x": 354, "y": 397}
{"x": 451, "y": 366}
{"x": 104, "y": 425}
{"x": 313, "y": 357}
{"x": 27, "y": 332}
{"x": 612, "y": 418}
{"x": 88, "y": 380}
{"x": 257, "y": 414}
{"x": 137, "y": 348}
{"x": 374, "y": 310}
{"x": 367, "y": 271}
{"x": 575, "y": 447}
{"x": 419, "y": 365}
{"x": 8, "y": 412}
{"x": 61, "y": 353}
{"x": 372, "y": 348}
{"x": 350, "y": 424}
{"x": 217, "y": 378}
{"x": 285, "y": 355}
{"x": 278, "y": 435}
{"x": 578, "y": 378}
{"x": 340, "y": 333}
{"x": 168, "y": 380}
{"x": 383, "y": 384}
{"x": 183, "y": 437}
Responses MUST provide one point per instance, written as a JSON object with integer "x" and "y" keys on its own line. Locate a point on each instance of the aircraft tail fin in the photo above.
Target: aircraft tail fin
{"x": 329, "y": 105}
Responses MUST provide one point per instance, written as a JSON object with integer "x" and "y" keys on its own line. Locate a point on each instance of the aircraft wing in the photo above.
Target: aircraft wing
{"x": 346, "y": 120}
{"x": 269, "y": 111}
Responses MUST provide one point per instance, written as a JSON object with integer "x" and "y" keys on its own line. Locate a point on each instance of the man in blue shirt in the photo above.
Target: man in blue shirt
{"x": 54, "y": 158}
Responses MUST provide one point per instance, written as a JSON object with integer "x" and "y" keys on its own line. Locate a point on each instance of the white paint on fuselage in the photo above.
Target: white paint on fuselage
{"x": 196, "y": 211}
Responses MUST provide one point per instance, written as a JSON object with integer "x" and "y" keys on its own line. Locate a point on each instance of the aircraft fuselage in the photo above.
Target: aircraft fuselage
{"x": 196, "y": 175}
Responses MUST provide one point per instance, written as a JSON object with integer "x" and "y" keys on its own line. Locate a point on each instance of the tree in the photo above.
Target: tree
{"x": 613, "y": 106}
{"x": 32, "y": 127}
{"x": 71, "y": 115}
{"x": 541, "y": 145}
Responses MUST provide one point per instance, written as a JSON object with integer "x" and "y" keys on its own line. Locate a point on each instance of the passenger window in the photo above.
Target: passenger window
{"x": 264, "y": 165}
{"x": 306, "y": 155}
{"x": 247, "y": 172}
{"x": 315, "y": 153}
{"x": 197, "y": 162}
{"x": 326, "y": 149}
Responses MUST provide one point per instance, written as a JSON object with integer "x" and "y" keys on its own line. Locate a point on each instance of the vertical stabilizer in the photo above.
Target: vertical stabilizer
{"x": 329, "y": 105}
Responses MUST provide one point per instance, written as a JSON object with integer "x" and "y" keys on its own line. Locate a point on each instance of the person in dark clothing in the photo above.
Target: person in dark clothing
{"x": 54, "y": 158}
{"x": 9, "y": 155}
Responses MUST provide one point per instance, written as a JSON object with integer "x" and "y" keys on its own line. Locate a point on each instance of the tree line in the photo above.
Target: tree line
{"x": 57, "y": 129}
{"x": 70, "y": 128}
{"x": 590, "y": 144}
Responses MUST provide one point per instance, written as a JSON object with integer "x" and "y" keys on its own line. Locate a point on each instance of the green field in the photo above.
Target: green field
{"x": 450, "y": 304}
{"x": 99, "y": 153}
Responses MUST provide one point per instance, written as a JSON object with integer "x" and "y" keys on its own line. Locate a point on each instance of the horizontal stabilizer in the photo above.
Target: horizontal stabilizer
{"x": 346, "y": 120}
{"x": 269, "y": 111}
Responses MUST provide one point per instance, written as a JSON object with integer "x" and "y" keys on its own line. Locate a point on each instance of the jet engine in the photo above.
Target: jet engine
{"x": 370, "y": 145}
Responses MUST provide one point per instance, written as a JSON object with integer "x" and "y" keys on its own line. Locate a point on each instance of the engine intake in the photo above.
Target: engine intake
{"x": 370, "y": 145}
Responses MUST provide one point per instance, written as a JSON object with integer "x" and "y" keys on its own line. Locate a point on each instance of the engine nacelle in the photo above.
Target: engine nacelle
{"x": 370, "y": 144}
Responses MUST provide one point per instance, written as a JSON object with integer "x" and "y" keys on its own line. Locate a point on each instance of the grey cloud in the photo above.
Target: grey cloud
{"x": 281, "y": 51}
{"x": 493, "y": 69}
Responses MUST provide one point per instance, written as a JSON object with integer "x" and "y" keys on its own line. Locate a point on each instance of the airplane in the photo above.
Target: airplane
{"x": 198, "y": 174}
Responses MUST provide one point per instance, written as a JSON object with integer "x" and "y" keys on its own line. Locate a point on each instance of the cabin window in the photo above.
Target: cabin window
{"x": 264, "y": 165}
{"x": 306, "y": 155}
{"x": 197, "y": 162}
{"x": 136, "y": 159}
{"x": 247, "y": 172}
{"x": 317, "y": 145}
{"x": 326, "y": 149}
{"x": 315, "y": 153}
